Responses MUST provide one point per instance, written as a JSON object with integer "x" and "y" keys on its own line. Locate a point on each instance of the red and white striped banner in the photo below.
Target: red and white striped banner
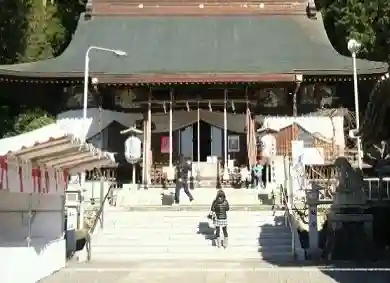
{"x": 3, "y": 173}
{"x": 16, "y": 177}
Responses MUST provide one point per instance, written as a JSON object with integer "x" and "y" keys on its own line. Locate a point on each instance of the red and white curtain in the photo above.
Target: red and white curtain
{"x": 251, "y": 138}
{"x": 16, "y": 177}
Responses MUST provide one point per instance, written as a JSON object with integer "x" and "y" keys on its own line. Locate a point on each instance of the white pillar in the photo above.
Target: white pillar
{"x": 30, "y": 220}
{"x": 170, "y": 130}
{"x": 356, "y": 96}
{"x": 134, "y": 173}
{"x": 198, "y": 132}
{"x": 225, "y": 128}
{"x": 81, "y": 179}
{"x": 85, "y": 95}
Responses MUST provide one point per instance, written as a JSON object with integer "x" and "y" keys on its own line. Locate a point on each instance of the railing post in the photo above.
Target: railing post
{"x": 102, "y": 199}
{"x": 312, "y": 197}
{"x": 30, "y": 219}
{"x": 288, "y": 201}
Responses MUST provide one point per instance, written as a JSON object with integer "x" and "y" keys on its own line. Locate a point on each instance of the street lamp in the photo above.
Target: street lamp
{"x": 353, "y": 47}
{"x": 86, "y": 76}
{"x": 85, "y": 106}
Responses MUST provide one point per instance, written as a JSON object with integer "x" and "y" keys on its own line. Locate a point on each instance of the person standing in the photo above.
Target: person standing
{"x": 182, "y": 170}
{"x": 220, "y": 207}
{"x": 258, "y": 175}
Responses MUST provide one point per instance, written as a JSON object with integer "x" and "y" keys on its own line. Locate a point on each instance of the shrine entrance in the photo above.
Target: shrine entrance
{"x": 204, "y": 141}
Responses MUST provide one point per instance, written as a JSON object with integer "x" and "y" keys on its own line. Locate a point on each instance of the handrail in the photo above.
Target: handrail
{"x": 288, "y": 203}
{"x": 290, "y": 222}
{"x": 97, "y": 217}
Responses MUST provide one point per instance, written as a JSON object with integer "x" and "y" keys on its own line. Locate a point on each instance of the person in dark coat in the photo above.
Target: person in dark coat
{"x": 220, "y": 207}
{"x": 182, "y": 170}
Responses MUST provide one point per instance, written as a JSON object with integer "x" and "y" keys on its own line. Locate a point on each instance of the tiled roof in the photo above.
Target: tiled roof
{"x": 54, "y": 146}
{"x": 171, "y": 49}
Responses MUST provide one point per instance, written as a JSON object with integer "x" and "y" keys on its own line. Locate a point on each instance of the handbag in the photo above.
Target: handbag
{"x": 211, "y": 216}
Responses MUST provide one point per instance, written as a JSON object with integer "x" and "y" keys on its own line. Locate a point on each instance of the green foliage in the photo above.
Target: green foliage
{"x": 12, "y": 18}
{"x": 365, "y": 21}
{"x": 32, "y": 30}
{"x": 42, "y": 31}
{"x": 68, "y": 12}
{"x": 29, "y": 121}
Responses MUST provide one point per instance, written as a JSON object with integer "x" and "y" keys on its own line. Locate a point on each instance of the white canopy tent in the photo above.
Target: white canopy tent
{"x": 49, "y": 152}
{"x": 34, "y": 174}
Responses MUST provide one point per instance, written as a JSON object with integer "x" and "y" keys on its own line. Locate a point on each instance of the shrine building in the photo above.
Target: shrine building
{"x": 201, "y": 80}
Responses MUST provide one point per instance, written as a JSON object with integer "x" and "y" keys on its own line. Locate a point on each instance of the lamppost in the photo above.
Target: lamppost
{"x": 353, "y": 47}
{"x": 86, "y": 76}
{"x": 85, "y": 107}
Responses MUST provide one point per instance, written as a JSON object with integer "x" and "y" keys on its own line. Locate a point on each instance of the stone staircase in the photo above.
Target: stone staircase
{"x": 188, "y": 235}
{"x": 129, "y": 196}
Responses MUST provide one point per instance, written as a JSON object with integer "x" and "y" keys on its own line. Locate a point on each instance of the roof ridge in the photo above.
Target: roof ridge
{"x": 202, "y": 7}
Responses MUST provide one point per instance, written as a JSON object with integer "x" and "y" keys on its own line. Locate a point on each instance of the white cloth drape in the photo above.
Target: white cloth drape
{"x": 182, "y": 119}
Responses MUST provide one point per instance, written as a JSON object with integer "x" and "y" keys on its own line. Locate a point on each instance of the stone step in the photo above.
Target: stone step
{"x": 150, "y": 240}
{"x": 215, "y": 255}
{"x": 153, "y": 242}
{"x": 134, "y": 235}
{"x": 232, "y": 216}
{"x": 194, "y": 213}
{"x": 191, "y": 224}
{"x": 134, "y": 197}
{"x": 115, "y": 213}
{"x": 192, "y": 229}
{"x": 176, "y": 236}
{"x": 206, "y": 248}
{"x": 175, "y": 210}
{"x": 194, "y": 207}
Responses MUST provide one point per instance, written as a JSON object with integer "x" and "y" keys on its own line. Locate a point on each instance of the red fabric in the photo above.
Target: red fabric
{"x": 21, "y": 179}
{"x": 55, "y": 179}
{"x": 35, "y": 178}
{"x": 47, "y": 181}
{"x": 164, "y": 144}
{"x": 39, "y": 181}
{"x": 4, "y": 172}
{"x": 66, "y": 176}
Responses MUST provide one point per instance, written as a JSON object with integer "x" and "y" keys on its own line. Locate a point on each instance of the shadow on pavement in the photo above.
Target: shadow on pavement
{"x": 207, "y": 231}
{"x": 275, "y": 247}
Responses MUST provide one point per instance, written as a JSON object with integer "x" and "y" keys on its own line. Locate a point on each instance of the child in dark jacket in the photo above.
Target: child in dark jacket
{"x": 220, "y": 207}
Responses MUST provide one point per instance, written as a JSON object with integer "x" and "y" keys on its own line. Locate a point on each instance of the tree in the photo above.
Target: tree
{"x": 43, "y": 31}
{"x": 365, "y": 21}
{"x": 68, "y": 12}
{"x": 12, "y": 17}
{"x": 32, "y": 30}
{"x": 30, "y": 120}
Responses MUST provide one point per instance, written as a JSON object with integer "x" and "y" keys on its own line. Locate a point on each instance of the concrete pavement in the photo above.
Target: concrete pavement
{"x": 212, "y": 272}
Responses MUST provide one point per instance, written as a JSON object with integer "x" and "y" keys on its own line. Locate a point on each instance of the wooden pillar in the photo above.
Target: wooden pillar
{"x": 149, "y": 139}
{"x": 225, "y": 135}
{"x": 170, "y": 129}
{"x": 198, "y": 135}
{"x": 145, "y": 155}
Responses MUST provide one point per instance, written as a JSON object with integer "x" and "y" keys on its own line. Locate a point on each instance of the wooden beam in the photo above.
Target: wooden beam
{"x": 194, "y": 101}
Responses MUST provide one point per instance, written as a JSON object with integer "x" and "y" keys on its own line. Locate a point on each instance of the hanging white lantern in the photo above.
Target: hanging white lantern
{"x": 133, "y": 149}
